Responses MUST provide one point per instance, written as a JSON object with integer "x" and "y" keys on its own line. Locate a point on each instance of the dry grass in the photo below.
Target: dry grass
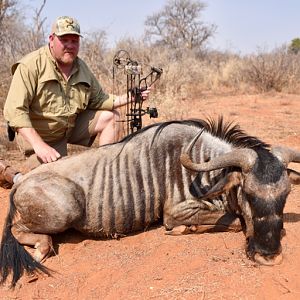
{"x": 189, "y": 77}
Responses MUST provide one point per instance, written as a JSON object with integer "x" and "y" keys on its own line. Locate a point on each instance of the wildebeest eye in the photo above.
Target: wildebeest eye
{"x": 265, "y": 207}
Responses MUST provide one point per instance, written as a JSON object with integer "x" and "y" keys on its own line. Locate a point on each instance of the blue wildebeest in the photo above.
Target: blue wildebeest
{"x": 162, "y": 173}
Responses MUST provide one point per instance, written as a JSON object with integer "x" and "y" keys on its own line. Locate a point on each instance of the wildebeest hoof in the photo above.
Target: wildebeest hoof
{"x": 265, "y": 261}
{"x": 183, "y": 229}
{"x": 32, "y": 277}
{"x": 179, "y": 230}
{"x": 41, "y": 253}
{"x": 212, "y": 206}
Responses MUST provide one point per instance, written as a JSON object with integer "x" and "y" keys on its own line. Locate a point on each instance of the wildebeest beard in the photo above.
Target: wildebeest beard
{"x": 200, "y": 185}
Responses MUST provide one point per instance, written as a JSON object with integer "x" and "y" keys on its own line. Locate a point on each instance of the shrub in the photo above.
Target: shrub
{"x": 277, "y": 70}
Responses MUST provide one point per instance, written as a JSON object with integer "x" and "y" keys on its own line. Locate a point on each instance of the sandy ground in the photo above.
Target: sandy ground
{"x": 152, "y": 265}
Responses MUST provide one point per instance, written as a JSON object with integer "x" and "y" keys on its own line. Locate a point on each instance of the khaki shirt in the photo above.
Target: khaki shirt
{"x": 41, "y": 98}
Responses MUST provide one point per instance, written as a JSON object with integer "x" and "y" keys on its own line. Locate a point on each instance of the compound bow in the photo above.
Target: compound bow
{"x": 136, "y": 84}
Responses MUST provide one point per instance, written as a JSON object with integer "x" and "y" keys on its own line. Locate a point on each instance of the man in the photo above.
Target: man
{"x": 54, "y": 99}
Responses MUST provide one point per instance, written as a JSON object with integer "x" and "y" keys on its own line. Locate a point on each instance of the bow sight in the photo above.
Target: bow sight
{"x": 136, "y": 85}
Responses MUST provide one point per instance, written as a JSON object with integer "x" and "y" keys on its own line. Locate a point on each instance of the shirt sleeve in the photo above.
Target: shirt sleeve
{"x": 19, "y": 98}
{"x": 98, "y": 98}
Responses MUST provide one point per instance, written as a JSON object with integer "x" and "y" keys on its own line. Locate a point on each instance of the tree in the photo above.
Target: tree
{"x": 178, "y": 26}
{"x": 93, "y": 51}
{"x": 7, "y": 14}
{"x": 6, "y": 9}
{"x": 37, "y": 32}
{"x": 16, "y": 37}
{"x": 295, "y": 46}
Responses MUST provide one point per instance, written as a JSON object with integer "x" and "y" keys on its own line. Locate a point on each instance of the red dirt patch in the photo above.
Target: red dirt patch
{"x": 151, "y": 265}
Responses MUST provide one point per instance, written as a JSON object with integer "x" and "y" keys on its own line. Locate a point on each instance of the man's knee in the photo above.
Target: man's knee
{"x": 105, "y": 119}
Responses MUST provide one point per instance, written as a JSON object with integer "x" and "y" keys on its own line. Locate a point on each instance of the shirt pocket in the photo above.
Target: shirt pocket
{"x": 50, "y": 98}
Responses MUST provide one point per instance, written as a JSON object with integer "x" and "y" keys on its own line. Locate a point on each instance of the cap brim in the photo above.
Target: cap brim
{"x": 69, "y": 32}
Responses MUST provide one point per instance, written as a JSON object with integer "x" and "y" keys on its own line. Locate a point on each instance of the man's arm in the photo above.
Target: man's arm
{"x": 45, "y": 152}
{"x": 16, "y": 112}
{"x": 122, "y": 100}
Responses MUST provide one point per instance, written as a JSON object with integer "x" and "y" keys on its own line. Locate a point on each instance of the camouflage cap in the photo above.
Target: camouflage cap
{"x": 65, "y": 25}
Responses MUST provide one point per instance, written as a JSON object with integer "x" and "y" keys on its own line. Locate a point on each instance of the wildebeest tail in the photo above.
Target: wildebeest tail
{"x": 13, "y": 257}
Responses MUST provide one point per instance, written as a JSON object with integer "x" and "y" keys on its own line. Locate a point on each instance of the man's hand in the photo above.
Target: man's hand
{"x": 122, "y": 100}
{"x": 45, "y": 152}
{"x": 145, "y": 94}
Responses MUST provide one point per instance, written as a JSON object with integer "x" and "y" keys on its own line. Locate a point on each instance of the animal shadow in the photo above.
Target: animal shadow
{"x": 291, "y": 217}
{"x": 72, "y": 236}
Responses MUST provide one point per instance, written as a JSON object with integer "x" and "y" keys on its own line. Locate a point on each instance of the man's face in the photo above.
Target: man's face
{"x": 64, "y": 48}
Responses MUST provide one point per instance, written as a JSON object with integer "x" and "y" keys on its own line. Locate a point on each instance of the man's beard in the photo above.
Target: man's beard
{"x": 67, "y": 59}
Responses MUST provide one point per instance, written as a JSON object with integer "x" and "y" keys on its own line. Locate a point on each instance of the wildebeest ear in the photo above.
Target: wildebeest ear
{"x": 294, "y": 176}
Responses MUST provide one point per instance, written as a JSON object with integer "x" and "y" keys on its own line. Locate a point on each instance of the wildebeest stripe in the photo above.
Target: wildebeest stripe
{"x": 129, "y": 191}
{"x": 138, "y": 175}
{"x": 94, "y": 208}
{"x": 147, "y": 183}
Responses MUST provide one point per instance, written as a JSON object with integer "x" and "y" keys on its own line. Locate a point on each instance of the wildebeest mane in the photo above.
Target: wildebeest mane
{"x": 227, "y": 131}
{"x": 233, "y": 134}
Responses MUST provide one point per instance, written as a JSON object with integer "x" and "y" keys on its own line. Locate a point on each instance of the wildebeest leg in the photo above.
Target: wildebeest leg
{"x": 41, "y": 242}
{"x": 47, "y": 204}
{"x": 192, "y": 216}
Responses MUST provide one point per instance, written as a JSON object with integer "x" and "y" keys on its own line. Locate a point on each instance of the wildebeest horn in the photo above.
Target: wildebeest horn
{"x": 286, "y": 155}
{"x": 243, "y": 158}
